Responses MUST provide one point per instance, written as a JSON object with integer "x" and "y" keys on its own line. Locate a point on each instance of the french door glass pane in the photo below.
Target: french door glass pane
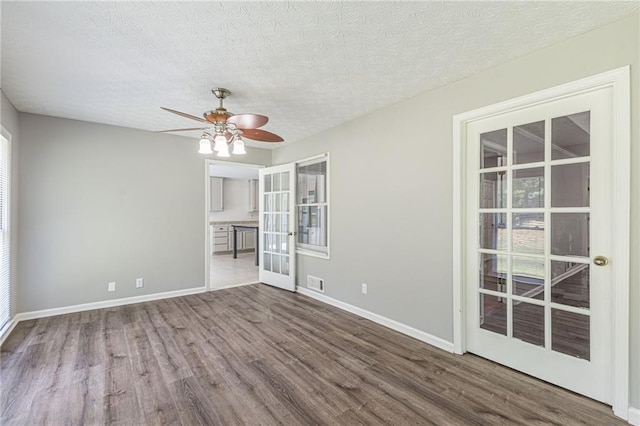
{"x": 528, "y": 188}
{"x": 277, "y": 205}
{"x": 570, "y": 136}
{"x": 493, "y": 314}
{"x": 570, "y": 234}
{"x": 570, "y": 333}
{"x": 528, "y": 143}
{"x": 267, "y": 222}
{"x": 268, "y": 202}
{"x": 527, "y": 235}
{"x": 267, "y": 183}
{"x": 528, "y": 322}
{"x": 493, "y": 149}
{"x": 570, "y": 283}
{"x": 493, "y": 272}
{"x": 528, "y": 276}
{"x": 493, "y": 233}
{"x": 284, "y": 244}
{"x": 493, "y": 190}
{"x": 268, "y": 242}
{"x": 570, "y": 185}
{"x": 276, "y": 182}
{"x": 275, "y": 263}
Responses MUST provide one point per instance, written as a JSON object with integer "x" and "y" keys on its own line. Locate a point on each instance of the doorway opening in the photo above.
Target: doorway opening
{"x": 231, "y": 194}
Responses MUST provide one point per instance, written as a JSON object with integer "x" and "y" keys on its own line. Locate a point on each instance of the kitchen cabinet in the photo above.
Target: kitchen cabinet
{"x": 253, "y": 195}
{"x": 249, "y": 240}
{"x": 217, "y": 194}
{"x": 239, "y": 240}
{"x": 246, "y": 239}
{"x": 221, "y": 241}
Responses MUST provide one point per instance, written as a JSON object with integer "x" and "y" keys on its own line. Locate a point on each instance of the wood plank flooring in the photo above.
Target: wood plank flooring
{"x": 256, "y": 355}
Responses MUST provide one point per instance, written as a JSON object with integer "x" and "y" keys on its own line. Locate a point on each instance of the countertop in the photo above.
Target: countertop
{"x": 235, "y": 222}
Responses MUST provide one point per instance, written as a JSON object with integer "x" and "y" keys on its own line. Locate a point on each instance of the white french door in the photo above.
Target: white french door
{"x": 539, "y": 234}
{"x": 277, "y": 244}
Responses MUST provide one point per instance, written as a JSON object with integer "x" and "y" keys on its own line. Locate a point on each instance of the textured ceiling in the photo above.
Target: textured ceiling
{"x": 307, "y": 65}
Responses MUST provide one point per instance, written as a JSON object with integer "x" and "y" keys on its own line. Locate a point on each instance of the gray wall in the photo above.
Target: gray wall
{"x": 10, "y": 120}
{"x": 101, "y": 203}
{"x": 391, "y": 211}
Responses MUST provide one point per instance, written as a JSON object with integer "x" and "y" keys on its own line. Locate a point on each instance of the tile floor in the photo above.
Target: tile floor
{"x": 227, "y": 271}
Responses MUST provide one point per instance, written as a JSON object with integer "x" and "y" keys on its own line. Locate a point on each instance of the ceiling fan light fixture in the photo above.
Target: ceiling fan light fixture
{"x": 224, "y": 152}
{"x": 223, "y": 128}
{"x": 220, "y": 143}
{"x": 238, "y": 146}
{"x": 205, "y": 146}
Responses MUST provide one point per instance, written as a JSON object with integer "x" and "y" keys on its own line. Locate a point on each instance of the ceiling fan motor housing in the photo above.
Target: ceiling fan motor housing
{"x": 219, "y": 115}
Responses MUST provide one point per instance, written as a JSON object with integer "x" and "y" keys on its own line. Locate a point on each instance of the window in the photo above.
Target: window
{"x": 5, "y": 289}
{"x": 312, "y": 206}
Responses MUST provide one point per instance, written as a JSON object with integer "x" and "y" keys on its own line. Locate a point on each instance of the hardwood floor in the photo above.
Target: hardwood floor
{"x": 257, "y": 355}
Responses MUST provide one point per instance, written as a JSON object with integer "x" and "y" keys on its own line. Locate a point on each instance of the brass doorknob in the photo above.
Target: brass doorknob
{"x": 600, "y": 260}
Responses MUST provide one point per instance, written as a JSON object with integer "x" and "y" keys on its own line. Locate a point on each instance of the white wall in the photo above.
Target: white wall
{"x": 391, "y": 211}
{"x": 236, "y": 202}
{"x": 9, "y": 118}
{"x": 101, "y": 203}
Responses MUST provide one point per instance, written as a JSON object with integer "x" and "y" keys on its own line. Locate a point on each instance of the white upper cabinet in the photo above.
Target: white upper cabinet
{"x": 217, "y": 194}
{"x": 253, "y": 195}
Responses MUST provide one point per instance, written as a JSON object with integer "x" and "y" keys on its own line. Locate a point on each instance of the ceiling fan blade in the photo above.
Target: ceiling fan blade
{"x": 184, "y": 114}
{"x": 261, "y": 135}
{"x": 179, "y": 130}
{"x": 248, "y": 121}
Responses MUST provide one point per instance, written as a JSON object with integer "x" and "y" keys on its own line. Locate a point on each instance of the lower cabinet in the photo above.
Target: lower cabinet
{"x": 246, "y": 240}
{"x": 249, "y": 240}
{"x": 221, "y": 237}
{"x": 239, "y": 240}
{"x": 220, "y": 240}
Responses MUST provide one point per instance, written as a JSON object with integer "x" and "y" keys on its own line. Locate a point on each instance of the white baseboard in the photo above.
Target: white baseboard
{"x": 634, "y": 416}
{"x": 106, "y": 304}
{"x": 6, "y": 330}
{"x": 389, "y": 323}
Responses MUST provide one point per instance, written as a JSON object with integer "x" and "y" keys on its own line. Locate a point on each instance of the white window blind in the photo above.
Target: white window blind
{"x": 5, "y": 282}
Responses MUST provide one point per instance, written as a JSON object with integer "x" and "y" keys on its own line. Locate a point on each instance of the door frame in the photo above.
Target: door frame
{"x": 208, "y": 162}
{"x": 618, "y": 81}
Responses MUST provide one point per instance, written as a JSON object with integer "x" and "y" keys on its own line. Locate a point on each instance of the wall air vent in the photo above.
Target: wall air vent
{"x": 315, "y": 283}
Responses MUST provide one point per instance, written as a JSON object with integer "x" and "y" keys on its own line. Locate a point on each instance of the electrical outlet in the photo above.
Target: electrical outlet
{"x": 364, "y": 288}
{"x": 139, "y": 282}
{"x": 111, "y": 286}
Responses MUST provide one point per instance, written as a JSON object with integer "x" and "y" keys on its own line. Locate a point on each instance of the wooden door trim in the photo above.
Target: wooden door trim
{"x": 617, "y": 81}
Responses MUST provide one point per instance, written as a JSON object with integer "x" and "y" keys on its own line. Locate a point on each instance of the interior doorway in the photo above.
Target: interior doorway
{"x": 231, "y": 202}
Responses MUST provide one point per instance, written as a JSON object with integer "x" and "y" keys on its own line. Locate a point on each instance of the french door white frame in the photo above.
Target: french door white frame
{"x": 207, "y": 202}
{"x": 618, "y": 81}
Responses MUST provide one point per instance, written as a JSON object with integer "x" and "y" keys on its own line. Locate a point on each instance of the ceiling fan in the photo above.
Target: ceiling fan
{"x": 226, "y": 129}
